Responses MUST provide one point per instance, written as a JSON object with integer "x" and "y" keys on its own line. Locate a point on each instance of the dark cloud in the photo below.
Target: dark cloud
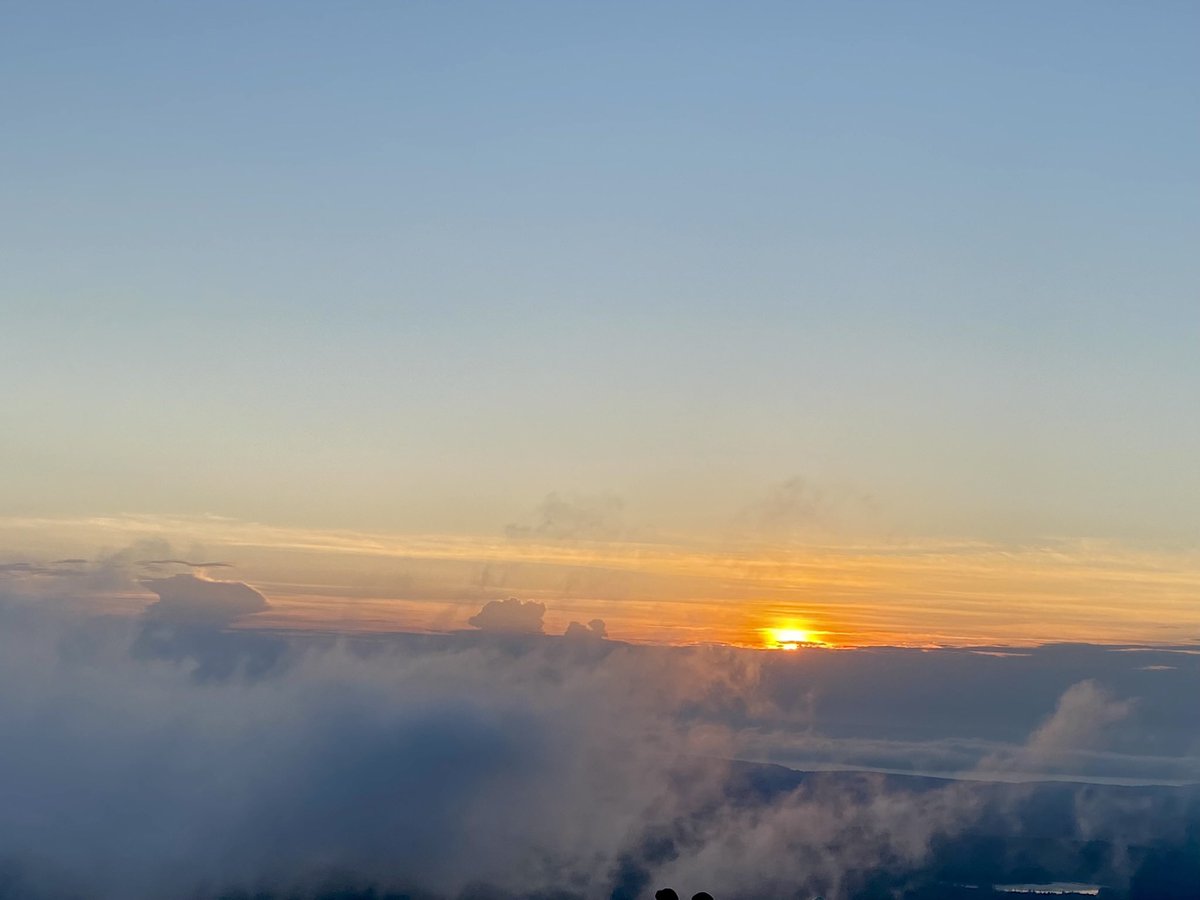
{"x": 574, "y": 517}
{"x": 156, "y": 563}
{"x": 511, "y": 616}
{"x": 594, "y": 630}
{"x": 190, "y": 600}
{"x": 188, "y": 623}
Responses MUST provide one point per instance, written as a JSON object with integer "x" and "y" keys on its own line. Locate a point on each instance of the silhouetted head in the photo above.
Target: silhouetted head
{"x": 703, "y": 895}
{"x": 666, "y": 894}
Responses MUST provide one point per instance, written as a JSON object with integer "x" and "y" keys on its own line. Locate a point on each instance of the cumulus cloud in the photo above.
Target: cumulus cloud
{"x": 594, "y": 630}
{"x": 190, "y": 600}
{"x": 188, "y": 623}
{"x": 511, "y": 616}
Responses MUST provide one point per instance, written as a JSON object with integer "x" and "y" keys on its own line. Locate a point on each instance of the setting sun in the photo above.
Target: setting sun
{"x": 788, "y": 638}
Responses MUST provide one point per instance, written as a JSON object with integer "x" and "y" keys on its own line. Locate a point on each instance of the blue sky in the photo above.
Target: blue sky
{"x": 414, "y": 266}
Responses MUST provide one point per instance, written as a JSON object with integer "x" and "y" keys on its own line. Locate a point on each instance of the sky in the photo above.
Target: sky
{"x": 494, "y": 451}
{"x": 877, "y": 321}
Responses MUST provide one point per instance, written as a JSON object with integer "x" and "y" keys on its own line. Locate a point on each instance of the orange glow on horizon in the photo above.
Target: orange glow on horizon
{"x": 672, "y": 590}
{"x": 790, "y": 638}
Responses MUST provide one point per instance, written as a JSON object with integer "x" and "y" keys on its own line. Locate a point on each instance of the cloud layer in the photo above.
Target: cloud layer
{"x": 173, "y": 756}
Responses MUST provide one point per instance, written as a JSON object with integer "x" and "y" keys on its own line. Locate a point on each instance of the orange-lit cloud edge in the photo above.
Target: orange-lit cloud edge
{"x": 679, "y": 591}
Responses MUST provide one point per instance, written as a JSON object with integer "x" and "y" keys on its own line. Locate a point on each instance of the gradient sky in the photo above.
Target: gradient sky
{"x": 776, "y": 273}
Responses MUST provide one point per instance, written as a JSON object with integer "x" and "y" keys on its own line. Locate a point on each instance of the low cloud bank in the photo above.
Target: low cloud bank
{"x": 173, "y": 756}
{"x": 426, "y": 768}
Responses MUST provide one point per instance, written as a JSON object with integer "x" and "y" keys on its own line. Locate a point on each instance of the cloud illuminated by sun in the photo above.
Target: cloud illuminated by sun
{"x": 789, "y": 638}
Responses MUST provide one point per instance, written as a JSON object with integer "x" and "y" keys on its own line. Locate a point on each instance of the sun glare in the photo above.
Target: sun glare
{"x": 788, "y": 638}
